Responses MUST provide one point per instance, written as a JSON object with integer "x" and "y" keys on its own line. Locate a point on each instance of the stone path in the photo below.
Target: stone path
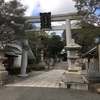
{"x": 46, "y": 79}
{"x": 60, "y": 65}
{"x": 43, "y": 85}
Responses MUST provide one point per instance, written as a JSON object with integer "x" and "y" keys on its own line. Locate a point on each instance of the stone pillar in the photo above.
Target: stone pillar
{"x": 99, "y": 57}
{"x": 24, "y": 60}
{"x": 68, "y": 38}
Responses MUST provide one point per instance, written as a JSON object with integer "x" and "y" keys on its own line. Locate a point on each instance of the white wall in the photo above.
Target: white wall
{"x": 17, "y": 61}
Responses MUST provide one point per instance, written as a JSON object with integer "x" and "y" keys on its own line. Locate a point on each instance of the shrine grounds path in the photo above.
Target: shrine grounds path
{"x": 43, "y": 85}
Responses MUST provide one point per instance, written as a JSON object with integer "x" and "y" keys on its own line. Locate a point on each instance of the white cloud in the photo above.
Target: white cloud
{"x": 57, "y": 6}
{"x": 53, "y": 6}
{"x": 31, "y": 5}
{"x": 58, "y": 23}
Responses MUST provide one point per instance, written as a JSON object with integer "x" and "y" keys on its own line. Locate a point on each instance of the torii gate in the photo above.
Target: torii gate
{"x": 54, "y": 18}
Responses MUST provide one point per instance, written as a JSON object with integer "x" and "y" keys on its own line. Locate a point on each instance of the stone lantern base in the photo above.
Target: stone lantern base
{"x": 3, "y": 75}
{"x": 73, "y": 69}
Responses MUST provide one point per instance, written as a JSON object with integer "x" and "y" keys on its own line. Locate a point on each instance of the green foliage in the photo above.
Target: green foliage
{"x": 16, "y": 70}
{"x": 36, "y": 67}
{"x": 88, "y": 8}
{"x": 86, "y": 36}
{"x": 55, "y": 45}
{"x": 44, "y": 40}
{"x": 12, "y": 22}
{"x": 52, "y": 44}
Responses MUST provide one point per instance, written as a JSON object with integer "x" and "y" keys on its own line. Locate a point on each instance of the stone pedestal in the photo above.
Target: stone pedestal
{"x": 3, "y": 72}
{"x": 78, "y": 65}
{"x": 74, "y": 80}
{"x": 3, "y": 75}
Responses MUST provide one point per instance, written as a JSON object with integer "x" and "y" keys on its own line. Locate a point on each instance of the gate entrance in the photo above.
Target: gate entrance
{"x": 54, "y": 18}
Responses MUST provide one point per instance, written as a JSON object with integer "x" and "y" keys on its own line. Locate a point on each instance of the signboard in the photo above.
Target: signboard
{"x": 45, "y": 20}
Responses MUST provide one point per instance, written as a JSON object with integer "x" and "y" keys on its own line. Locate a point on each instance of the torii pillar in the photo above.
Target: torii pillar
{"x": 68, "y": 38}
{"x": 24, "y": 60}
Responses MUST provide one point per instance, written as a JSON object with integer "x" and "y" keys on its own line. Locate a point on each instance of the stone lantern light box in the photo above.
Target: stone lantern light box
{"x": 73, "y": 48}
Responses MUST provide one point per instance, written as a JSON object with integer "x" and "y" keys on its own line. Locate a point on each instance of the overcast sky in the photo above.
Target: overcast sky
{"x": 53, "y": 6}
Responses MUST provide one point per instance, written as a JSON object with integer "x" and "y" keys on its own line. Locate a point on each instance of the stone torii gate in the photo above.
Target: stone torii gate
{"x": 54, "y": 18}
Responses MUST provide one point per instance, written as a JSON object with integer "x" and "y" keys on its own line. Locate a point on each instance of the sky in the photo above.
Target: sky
{"x": 53, "y": 6}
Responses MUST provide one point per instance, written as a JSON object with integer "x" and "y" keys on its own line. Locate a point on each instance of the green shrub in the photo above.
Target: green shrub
{"x": 16, "y": 70}
{"x": 36, "y": 67}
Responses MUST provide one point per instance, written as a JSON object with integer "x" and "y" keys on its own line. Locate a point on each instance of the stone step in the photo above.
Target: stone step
{"x": 7, "y": 80}
{"x": 74, "y": 80}
{"x": 77, "y": 86}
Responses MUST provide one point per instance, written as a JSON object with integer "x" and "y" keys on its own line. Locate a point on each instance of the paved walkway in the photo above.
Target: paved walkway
{"x": 60, "y": 65}
{"x": 43, "y": 85}
{"x": 44, "y": 79}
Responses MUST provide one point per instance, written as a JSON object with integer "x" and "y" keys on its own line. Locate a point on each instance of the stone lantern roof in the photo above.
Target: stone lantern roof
{"x": 73, "y": 46}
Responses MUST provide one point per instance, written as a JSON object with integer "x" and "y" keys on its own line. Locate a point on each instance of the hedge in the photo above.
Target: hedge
{"x": 16, "y": 70}
{"x": 36, "y": 67}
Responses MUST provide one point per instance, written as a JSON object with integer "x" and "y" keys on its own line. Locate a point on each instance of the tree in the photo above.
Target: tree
{"x": 88, "y": 9}
{"x": 87, "y": 36}
{"x": 12, "y": 22}
{"x": 90, "y": 23}
{"x": 55, "y": 45}
{"x": 38, "y": 41}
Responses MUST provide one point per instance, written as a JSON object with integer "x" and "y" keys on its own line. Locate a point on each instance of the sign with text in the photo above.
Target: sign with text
{"x": 45, "y": 19}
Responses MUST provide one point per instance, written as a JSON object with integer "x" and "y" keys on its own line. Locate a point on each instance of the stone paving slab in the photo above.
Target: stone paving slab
{"x": 46, "y": 79}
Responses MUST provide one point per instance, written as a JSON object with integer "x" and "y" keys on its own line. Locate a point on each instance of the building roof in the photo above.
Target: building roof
{"x": 15, "y": 51}
{"x": 90, "y": 52}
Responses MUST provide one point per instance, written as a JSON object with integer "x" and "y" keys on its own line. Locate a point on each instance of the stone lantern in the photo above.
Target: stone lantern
{"x": 42, "y": 63}
{"x": 3, "y": 72}
{"x": 73, "y": 48}
{"x": 42, "y": 56}
{"x": 73, "y": 79}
